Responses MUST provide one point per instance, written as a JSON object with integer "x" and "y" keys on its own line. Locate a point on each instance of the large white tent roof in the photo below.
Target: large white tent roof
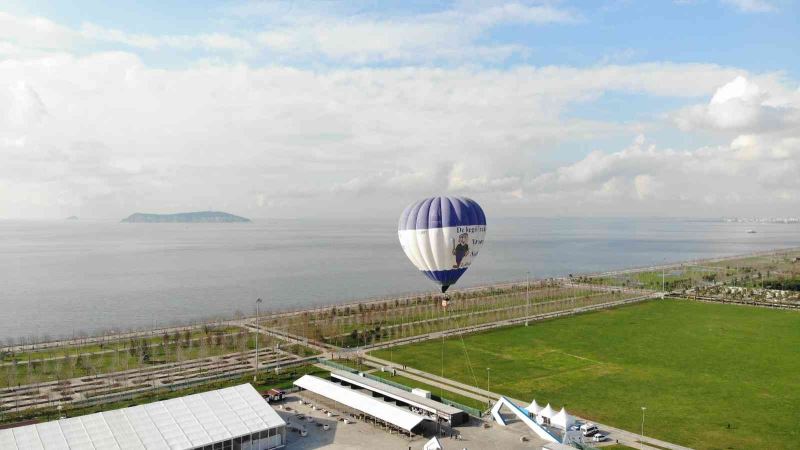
{"x": 534, "y": 407}
{"x": 375, "y": 407}
{"x": 562, "y": 419}
{"x": 178, "y": 423}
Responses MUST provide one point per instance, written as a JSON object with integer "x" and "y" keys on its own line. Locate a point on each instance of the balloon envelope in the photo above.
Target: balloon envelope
{"x": 442, "y": 236}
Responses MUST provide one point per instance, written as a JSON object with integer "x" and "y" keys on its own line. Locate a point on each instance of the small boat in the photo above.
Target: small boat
{"x": 751, "y": 231}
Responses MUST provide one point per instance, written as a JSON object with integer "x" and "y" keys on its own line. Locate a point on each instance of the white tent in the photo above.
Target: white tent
{"x": 534, "y": 408}
{"x": 375, "y": 407}
{"x": 562, "y": 419}
{"x": 194, "y": 421}
{"x": 433, "y": 444}
{"x": 547, "y": 411}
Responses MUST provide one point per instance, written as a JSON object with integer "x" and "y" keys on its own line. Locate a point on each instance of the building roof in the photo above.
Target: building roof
{"x": 178, "y": 423}
{"x": 375, "y": 407}
{"x": 397, "y": 393}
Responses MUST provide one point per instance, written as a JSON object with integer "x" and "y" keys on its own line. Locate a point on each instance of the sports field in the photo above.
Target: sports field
{"x": 711, "y": 376}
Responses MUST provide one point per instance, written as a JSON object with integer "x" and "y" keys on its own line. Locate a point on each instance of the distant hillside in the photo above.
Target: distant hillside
{"x": 190, "y": 217}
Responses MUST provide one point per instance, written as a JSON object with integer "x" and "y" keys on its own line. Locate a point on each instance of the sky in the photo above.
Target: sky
{"x": 327, "y": 109}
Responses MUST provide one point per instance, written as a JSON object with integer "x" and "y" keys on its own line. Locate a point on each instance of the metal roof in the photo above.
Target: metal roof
{"x": 397, "y": 393}
{"x": 375, "y": 407}
{"x": 178, "y": 423}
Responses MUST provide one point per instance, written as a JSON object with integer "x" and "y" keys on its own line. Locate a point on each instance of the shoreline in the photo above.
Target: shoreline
{"x": 116, "y": 335}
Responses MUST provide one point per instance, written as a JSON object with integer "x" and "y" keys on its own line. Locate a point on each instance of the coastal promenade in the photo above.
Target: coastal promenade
{"x": 504, "y": 285}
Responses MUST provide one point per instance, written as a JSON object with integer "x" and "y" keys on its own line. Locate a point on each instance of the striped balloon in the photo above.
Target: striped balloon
{"x": 442, "y": 235}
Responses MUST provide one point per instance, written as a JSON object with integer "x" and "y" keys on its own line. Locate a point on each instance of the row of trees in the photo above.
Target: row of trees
{"x": 176, "y": 347}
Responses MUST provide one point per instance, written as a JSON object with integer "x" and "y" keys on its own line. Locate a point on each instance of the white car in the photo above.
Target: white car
{"x": 599, "y": 437}
{"x": 589, "y": 429}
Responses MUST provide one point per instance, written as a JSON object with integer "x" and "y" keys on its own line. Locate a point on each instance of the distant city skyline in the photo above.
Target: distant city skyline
{"x": 684, "y": 108}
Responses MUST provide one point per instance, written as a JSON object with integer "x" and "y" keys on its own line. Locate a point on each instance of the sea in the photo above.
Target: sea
{"x": 69, "y": 278}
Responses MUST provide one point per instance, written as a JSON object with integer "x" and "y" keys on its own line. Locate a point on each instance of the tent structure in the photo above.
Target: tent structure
{"x": 522, "y": 414}
{"x": 534, "y": 408}
{"x": 433, "y": 444}
{"x": 375, "y": 407}
{"x": 562, "y": 419}
{"x": 221, "y": 418}
{"x": 547, "y": 412}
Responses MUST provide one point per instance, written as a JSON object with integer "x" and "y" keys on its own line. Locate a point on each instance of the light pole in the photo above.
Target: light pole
{"x": 641, "y": 436}
{"x": 488, "y": 369}
{"x": 255, "y": 372}
{"x": 527, "y": 296}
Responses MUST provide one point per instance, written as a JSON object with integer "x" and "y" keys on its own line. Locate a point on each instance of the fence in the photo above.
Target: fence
{"x": 337, "y": 366}
{"x": 389, "y": 382}
{"x": 474, "y": 412}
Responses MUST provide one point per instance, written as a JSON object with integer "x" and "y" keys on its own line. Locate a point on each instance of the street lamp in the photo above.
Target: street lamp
{"x": 488, "y": 369}
{"x": 255, "y": 372}
{"x": 641, "y": 436}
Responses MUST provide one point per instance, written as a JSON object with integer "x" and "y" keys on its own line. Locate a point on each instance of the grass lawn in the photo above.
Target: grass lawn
{"x": 698, "y": 368}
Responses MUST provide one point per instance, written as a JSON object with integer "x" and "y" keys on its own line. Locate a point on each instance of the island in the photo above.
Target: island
{"x": 189, "y": 217}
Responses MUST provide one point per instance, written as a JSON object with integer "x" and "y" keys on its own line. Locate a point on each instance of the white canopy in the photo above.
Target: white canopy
{"x": 547, "y": 411}
{"x": 433, "y": 444}
{"x": 534, "y": 408}
{"x": 180, "y": 423}
{"x": 562, "y": 419}
{"x": 375, "y": 407}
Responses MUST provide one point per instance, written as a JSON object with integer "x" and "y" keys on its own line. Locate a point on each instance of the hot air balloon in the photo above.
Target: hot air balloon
{"x": 442, "y": 236}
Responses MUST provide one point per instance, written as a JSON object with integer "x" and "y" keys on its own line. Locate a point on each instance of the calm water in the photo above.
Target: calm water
{"x": 63, "y": 277}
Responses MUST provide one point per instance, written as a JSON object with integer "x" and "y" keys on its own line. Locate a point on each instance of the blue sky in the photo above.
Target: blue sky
{"x": 541, "y": 107}
{"x": 623, "y": 31}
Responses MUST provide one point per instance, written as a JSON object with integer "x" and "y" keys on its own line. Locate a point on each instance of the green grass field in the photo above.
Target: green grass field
{"x": 698, "y": 368}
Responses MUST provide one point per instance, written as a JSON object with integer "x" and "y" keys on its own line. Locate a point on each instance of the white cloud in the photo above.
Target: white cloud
{"x": 756, "y": 172}
{"x": 751, "y": 6}
{"x": 450, "y": 34}
{"x": 106, "y": 134}
{"x": 742, "y": 106}
{"x": 670, "y": 182}
{"x": 19, "y": 35}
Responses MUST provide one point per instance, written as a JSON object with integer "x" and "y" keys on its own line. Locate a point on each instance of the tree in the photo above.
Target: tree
{"x": 144, "y": 351}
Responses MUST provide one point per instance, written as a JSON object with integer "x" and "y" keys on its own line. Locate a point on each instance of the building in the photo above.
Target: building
{"x": 446, "y": 413}
{"x": 362, "y": 405}
{"x": 274, "y": 395}
{"x": 234, "y": 418}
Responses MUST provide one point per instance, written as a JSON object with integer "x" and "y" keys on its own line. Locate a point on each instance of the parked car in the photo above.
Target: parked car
{"x": 598, "y": 437}
{"x": 589, "y": 429}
